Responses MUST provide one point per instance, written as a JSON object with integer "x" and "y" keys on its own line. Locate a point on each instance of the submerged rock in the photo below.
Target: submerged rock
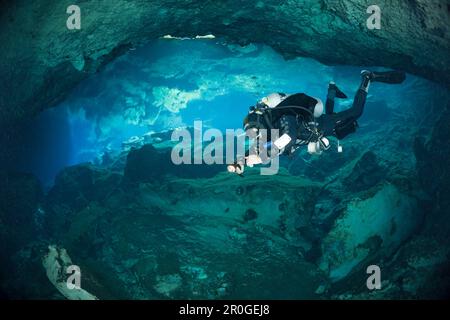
{"x": 432, "y": 161}
{"x": 186, "y": 237}
{"x": 20, "y": 199}
{"x": 149, "y": 163}
{"x": 166, "y": 284}
{"x": 250, "y": 214}
{"x": 365, "y": 174}
{"x": 171, "y": 243}
{"x": 146, "y": 164}
{"x": 21, "y": 274}
{"x": 77, "y": 185}
{"x": 374, "y": 226}
{"x": 75, "y": 188}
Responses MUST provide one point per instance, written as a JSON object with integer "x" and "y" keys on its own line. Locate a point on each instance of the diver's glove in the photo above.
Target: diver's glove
{"x": 237, "y": 167}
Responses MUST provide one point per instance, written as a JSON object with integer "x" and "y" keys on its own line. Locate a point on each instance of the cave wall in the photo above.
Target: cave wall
{"x": 43, "y": 60}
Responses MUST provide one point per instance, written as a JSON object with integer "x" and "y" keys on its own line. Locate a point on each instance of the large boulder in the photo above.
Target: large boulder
{"x": 172, "y": 243}
{"x": 432, "y": 159}
{"x": 77, "y": 185}
{"x": 149, "y": 164}
{"x": 74, "y": 189}
{"x": 370, "y": 227}
{"x": 21, "y": 224}
{"x": 365, "y": 174}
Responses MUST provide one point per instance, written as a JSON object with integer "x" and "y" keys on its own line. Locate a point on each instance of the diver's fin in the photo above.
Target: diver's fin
{"x": 392, "y": 77}
{"x": 338, "y": 92}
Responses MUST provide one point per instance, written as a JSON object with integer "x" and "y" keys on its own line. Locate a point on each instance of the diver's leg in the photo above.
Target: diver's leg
{"x": 358, "y": 103}
{"x": 329, "y": 104}
{"x": 367, "y": 77}
{"x": 356, "y": 110}
{"x": 333, "y": 92}
{"x": 342, "y": 123}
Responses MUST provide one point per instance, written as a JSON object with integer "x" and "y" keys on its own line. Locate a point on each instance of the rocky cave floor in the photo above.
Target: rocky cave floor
{"x": 197, "y": 232}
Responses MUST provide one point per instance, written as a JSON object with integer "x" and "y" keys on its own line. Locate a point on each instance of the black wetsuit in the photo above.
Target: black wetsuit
{"x": 342, "y": 123}
{"x": 296, "y": 122}
{"x": 294, "y": 116}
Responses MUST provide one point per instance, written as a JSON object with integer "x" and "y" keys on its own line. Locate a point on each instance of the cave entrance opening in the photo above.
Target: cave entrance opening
{"x": 170, "y": 83}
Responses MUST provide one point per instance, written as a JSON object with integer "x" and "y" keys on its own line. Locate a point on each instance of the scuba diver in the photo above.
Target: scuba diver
{"x": 301, "y": 121}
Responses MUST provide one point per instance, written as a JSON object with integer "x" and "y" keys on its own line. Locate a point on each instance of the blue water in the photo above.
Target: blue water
{"x": 170, "y": 83}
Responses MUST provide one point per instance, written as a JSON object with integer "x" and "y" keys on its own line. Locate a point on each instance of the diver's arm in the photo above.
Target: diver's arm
{"x": 267, "y": 152}
{"x": 250, "y": 158}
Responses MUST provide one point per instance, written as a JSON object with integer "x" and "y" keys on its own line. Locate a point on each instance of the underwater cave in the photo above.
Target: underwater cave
{"x": 86, "y": 122}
